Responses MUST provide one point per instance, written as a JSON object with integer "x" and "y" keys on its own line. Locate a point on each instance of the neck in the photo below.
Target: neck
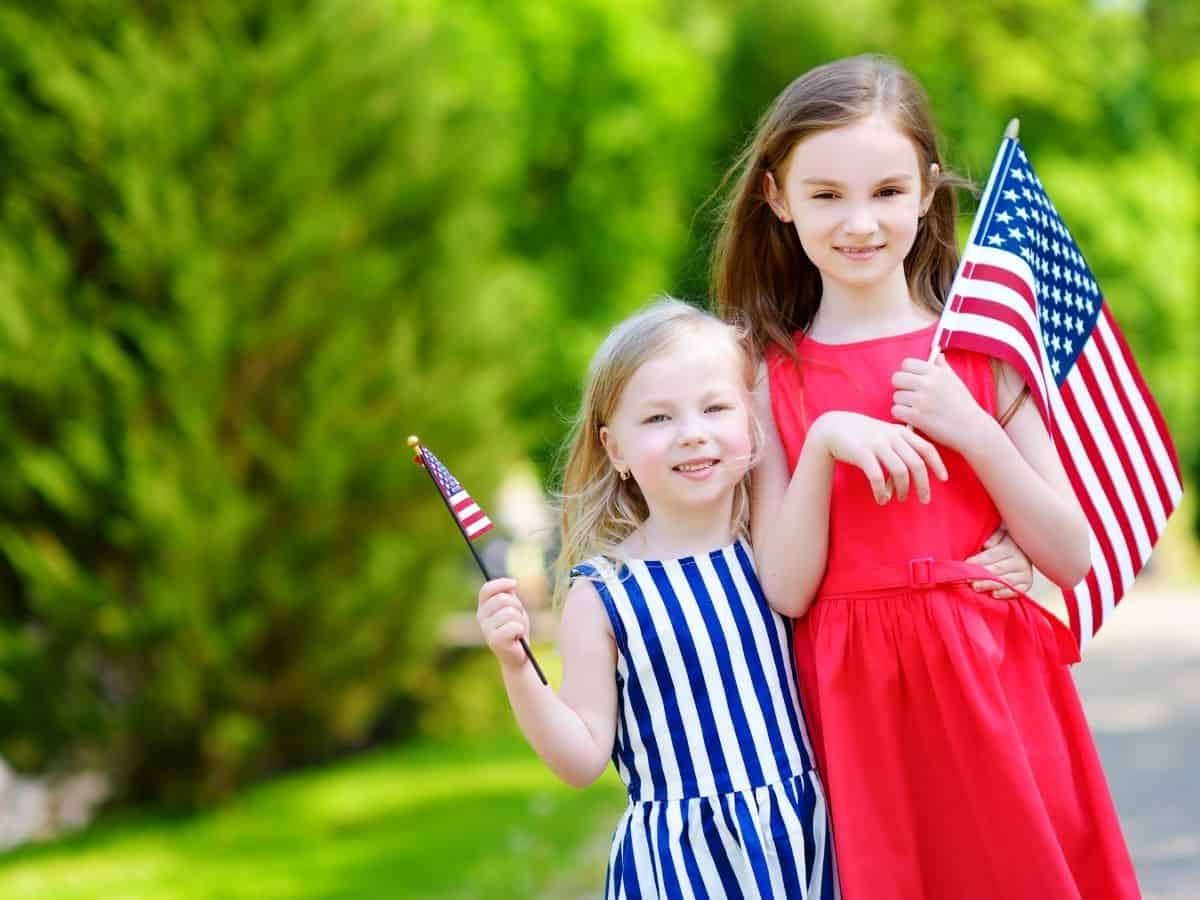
{"x": 847, "y": 313}
{"x": 669, "y": 533}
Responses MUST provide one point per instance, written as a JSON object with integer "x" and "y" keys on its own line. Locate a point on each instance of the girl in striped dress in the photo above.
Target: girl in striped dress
{"x": 673, "y": 664}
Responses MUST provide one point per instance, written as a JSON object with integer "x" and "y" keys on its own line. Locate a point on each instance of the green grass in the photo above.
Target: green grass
{"x": 435, "y": 821}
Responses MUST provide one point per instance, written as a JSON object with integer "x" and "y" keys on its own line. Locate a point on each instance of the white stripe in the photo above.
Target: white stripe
{"x": 475, "y": 527}
{"x": 795, "y": 831}
{"x": 723, "y": 814}
{"x": 653, "y": 871}
{"x": 1114, "y": 473}
{"x": 615, "y": 891}
{"x": 458, "y": 497}
{"x": 781, "y": 637}
{"x": 718, "y": 699}
{"x": 654, "y": 702}
{"x": 705, "y": 862}
{"x": 1157, "y": 448}
{"x": 762, "y": 652}
{"x": 986, "y": 289}
{"x": 674, "y": 815}
{"x": 762, "y": 798}
{"x": 672, "y": 656}
{"x": 1108, "y": 391}
{"x": 1089, "y": 478}
{"x": 1083, "y": 607}
{"x": 824, "y": 847}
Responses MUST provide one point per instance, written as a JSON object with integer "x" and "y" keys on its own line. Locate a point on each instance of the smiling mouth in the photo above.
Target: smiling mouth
{"x": 860, "y": 251}
{"x": 696, "y": 466}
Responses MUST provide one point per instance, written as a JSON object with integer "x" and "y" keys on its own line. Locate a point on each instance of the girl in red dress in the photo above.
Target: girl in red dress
{"x": 956, "y": 754}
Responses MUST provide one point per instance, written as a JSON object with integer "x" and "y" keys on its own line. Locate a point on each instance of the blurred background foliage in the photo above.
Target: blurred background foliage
{"x": 247, "y": 248}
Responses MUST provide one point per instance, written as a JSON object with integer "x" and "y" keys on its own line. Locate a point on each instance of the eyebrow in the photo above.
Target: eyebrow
{"x": 829, "y": 182}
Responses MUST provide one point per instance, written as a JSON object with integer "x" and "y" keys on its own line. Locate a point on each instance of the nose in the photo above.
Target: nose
{"x": 692, "y": 431}
{"x": 861, "y": 221}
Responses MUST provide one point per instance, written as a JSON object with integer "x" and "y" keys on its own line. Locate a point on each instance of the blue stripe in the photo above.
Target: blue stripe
{"x": 785, "y": 671}
{"x": 737, "y": 704}
{"x": 662, "y": 677}
{"x": 752, "y": 845}
{"x": 637, "y": 699}
{"x": 628, "y": 867}
{"x": 670, "y": 878}
{"x": 788, "y": 863}
{"x": 805, "y": 806}
{"x": 754, "y": 658}
{"x": 716, "y": 849}
{"x": 688, "y": 852}
{"x": 695, "y": 687}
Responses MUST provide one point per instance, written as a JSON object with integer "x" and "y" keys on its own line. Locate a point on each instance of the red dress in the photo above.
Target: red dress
{"x": 954, "y": 748}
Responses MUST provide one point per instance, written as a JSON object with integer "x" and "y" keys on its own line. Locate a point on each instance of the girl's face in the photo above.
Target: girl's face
{"x": 854, "y": 193}
{"x": 682, "y": 426}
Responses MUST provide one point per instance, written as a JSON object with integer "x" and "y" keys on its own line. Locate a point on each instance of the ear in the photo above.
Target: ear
{"x": 609, "y": 442}
{"x": 927, "y": 199}
{"x": 776, "y": 198}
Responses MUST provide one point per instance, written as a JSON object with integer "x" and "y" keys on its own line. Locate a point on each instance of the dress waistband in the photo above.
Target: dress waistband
{"x": 917, "y": 574}
{"x": 925, "y": 572}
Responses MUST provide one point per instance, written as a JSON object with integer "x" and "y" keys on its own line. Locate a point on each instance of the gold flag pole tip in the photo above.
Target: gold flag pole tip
{"x": 413, "y": 440}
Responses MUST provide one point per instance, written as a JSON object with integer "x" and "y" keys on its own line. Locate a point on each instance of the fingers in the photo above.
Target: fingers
{"x": 995, "y": 537}
{"x": 928, "y": 452}
{"x": 494, "y": 587}
{"x": 916, "y": 366}
{"x": 915, "y": 467}
{"x": 898, "y": 472}
{"x": 990, "y": 557}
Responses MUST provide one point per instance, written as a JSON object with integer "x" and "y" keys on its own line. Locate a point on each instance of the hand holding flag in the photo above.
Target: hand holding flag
{"x": 472, "y": 521}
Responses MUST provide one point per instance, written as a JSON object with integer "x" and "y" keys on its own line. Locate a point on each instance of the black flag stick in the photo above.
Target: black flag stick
{"x": 421, "y": 458}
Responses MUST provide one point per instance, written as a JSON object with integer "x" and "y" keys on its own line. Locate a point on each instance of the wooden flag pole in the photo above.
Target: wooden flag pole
{"x": 415, "y": 443}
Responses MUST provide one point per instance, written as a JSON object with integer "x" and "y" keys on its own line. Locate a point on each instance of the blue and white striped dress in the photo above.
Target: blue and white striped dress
{"x": 724, "y": 800}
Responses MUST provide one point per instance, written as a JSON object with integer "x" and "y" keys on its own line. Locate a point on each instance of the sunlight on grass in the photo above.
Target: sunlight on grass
{"x": 434, "y": 820}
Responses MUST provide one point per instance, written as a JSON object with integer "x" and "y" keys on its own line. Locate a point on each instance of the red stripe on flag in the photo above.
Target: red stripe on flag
{"x": 1007, "y": 278}
{"x": 1159, "y": 422}
{"x": 1103, "y": 477}
{"x": 1136, "y": 426}
{"x": 990, "y": 309}
{"x": 1097, "y": 526}
{"x": 1100, "y": 400}
{"x": 473, "y": 518}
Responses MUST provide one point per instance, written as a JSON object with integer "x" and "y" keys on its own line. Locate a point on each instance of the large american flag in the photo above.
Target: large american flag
{"x": 473, "y": 520}
{"x": 1024, "y": 294}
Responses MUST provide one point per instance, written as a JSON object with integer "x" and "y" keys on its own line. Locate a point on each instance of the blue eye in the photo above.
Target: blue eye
{"x": 655, "y": 419}
{"x": 717, "y": 407}
{"x": 890, "y": 192}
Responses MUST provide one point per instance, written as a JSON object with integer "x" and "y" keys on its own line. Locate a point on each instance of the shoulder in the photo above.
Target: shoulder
{"x": 584, "y": 607}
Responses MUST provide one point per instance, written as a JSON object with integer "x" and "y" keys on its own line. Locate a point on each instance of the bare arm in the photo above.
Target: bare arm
{"x": 789, "y": 519}
{"x": 1016, "y": 463}
{"x": 573, "y": 730}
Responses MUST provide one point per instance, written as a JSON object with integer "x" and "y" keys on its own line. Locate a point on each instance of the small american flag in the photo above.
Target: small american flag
{"x": 1024, "y": 294}
{"x": 471, "y": 518}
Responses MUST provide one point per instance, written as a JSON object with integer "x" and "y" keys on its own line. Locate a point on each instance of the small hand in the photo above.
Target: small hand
{"x": 932, "y": 398}
{"x": 503, "y": 621}
{"x": 893, "y": 458}
{"x": 1003, "y": 558}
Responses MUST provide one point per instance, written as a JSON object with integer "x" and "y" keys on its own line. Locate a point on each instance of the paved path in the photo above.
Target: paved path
{"x": 1140, "y": 683}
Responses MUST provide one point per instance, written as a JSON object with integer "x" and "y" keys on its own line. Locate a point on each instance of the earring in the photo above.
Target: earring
{"x": 624, "y": 473}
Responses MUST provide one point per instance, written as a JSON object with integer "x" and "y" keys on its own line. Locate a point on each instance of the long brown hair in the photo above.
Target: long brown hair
{"x": 760, "y": 272}
{"x": 598, "y": 509}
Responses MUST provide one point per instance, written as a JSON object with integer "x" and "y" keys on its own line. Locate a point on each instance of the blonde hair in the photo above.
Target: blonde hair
{"x": 760, "y": 271}
{"x": 599, "y": 510}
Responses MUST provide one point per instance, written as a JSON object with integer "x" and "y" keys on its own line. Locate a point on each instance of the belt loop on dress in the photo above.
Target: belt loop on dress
{"x": 920, "y": 572}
